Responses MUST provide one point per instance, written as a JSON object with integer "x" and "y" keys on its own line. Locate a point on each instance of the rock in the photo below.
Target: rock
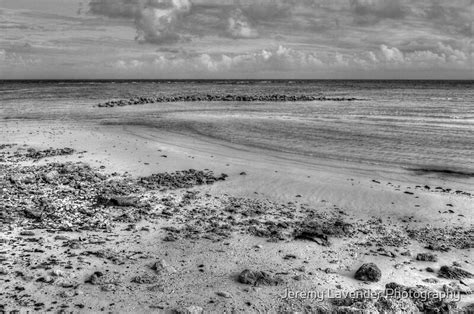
{"x": 257, "y": 278}
{"x": 46, "y": 279}
{"x": 453, "y": 273}
{"x": 95, "y": 278}
{"x": 368, "y": 272}
{"x": 319, "y": 232}
{"x": 67, "y": 294}
{"x": 431, "y": 280}
{"x": 163, "y": 267}
{"x": 27, "y": 233}
{"x": 3, "y": 271}
{"x": 51, "y": 176}
{"x": 426, "y": 257}
{"x": 145, "y": 279}
{"x": 117, "y": 200}
{"x": 32, "y": 213}
{"x": 57, "y": 273}
{"x": 224, "y": 294}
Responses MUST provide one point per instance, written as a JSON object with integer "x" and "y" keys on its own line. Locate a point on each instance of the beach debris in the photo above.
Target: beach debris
{"x": 424, "y": 298}
{"x": 319, "y": 231}
{"x": 50, "y": 152}
{"x": 426, "y": 257}
{"x": 145, "y": 279}
{"x": 444, "y": 239}
{"x": 368, "y": 272}
{"x": 180, "y": 179}
{"x": 450, "y": 272}
{"x": 257, "y": 278}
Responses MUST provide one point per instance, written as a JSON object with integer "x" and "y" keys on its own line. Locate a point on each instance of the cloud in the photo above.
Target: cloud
{"x": 157, "y": 21}
{"x": 392, "y": 54}
{"x": 239, "y": 26}
{"x": 306, "y": 63}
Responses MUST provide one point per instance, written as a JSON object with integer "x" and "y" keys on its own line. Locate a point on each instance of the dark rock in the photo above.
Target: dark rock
{"x": 117, "y": 200}
{"x": 368, "y": 272}
{"x": 449, "y": 272}
{"x": 319, "y": 232}
{"x": 145, "y": 279}
{"x": 257, "y": 278}
{"x": 95, "y": 278}
{"x": 27, "y": 233}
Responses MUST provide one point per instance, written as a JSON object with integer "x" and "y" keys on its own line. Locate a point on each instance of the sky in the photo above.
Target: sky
{"x": 236, "y": 39}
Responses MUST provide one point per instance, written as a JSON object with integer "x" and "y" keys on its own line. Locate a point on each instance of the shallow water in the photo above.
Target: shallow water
{"x": 410, "y": 124}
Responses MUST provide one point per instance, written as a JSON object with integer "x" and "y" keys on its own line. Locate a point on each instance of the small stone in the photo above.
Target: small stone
{"x": 57, "y": 273}
{"x": 163, "y": 267}
{"x": 224, "y": 294}
{"x": 431, "y": 280}
{"x": 46, "y": 279}
{"x": 256, "y": 278}
{"x": 368, "y": 272}
{"x": 67, "y": 294}
{"x": 144, "y": 279}
{"x": 27, "y": 233}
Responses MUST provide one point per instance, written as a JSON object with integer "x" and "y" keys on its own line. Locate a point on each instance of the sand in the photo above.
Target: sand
{"x": 205, "y": 271}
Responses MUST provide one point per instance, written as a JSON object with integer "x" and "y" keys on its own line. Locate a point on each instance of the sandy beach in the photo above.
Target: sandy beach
{"x": 186, "y": 252}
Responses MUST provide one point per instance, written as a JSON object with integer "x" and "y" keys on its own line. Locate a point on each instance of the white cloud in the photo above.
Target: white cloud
{"x": 239, "y": 26}
{"x": 283, "y": 59}
{"x": 392, "y": 54}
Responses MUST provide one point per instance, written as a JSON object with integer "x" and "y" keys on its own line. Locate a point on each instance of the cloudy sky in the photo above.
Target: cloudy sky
{"x": 236, "y": 39}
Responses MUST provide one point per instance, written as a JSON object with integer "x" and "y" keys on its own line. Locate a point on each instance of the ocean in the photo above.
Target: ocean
{"x": 423, "y": 125}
